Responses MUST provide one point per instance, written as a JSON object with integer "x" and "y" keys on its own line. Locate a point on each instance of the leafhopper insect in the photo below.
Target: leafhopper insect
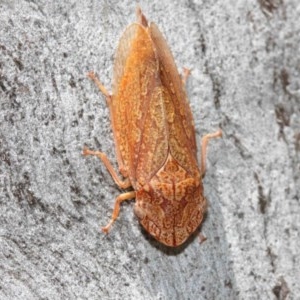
{"x": 154, "y": 136}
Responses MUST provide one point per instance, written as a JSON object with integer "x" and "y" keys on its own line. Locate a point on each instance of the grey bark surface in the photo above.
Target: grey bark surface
{"x": 244, "y": 57}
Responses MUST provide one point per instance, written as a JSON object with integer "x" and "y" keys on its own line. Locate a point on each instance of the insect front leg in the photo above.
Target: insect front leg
{"x": 204, "y": 143}
{"x": 116, "y": 211}
{"x": 123, "y": 184}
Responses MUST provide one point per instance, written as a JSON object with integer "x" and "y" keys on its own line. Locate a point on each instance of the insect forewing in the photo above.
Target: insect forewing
{"x": 137, "y": 106}
{"x": 180, "y": 120}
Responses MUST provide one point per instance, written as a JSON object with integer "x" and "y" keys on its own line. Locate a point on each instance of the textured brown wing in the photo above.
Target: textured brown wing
{"x": 118, "y": 121}
{"x": 137, "y": 106}
{"x": 122, "y": 53}
{"x": 181, "y": 138}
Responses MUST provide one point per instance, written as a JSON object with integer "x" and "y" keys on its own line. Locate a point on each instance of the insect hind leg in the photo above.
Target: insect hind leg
{"x": 116, "y": 211}
{"x": 204, "y": 144}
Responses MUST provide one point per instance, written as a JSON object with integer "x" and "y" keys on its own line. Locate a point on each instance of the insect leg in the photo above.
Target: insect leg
{"x": 122, "y": 184}
{"x": 100, "y": 86}
{"x": 185, "y": 74}
{"x": 116, "y": 211}
{"x": 202, "y": 238}
{"x": 204, "y": 143}
{"x": 108, "y": 97}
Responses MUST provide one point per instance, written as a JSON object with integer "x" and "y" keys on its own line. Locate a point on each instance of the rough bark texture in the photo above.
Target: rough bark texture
{"x": 245, "y": 65}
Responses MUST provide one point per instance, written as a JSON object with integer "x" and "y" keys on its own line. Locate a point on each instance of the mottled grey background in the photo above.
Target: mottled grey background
{"x": 245, "y": 78}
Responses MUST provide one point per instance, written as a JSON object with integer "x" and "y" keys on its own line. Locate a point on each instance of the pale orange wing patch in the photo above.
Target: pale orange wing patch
{"x": 153, "y": 150}
{"x": 122, "y": 53}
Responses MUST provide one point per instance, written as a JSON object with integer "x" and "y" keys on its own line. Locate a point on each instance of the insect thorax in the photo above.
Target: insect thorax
{"x": 171, "y": 205}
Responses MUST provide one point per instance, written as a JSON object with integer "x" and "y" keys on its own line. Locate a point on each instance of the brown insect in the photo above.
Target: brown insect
{"x": 154, "y": 136}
